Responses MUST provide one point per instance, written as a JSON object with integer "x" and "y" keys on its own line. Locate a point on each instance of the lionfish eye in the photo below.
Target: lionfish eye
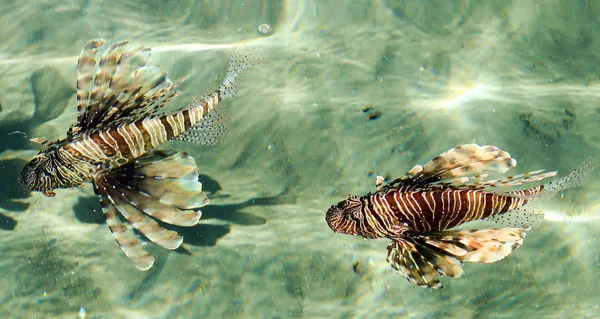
{"x": 355, "y": 216}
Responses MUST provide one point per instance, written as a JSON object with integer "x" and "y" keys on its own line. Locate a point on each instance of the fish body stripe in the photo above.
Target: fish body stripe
{"x": 528, "y": 192}
{"x": 132, "y": 140}
{"x": 127, "y": 148}
{"x": 432, "y": 210}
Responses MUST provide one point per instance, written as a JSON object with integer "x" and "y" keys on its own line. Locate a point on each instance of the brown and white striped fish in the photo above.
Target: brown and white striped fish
{"x": 113, "y": 144}
{"x": 418, "y": 210}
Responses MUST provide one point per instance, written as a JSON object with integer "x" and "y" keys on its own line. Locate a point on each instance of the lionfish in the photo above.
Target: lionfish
{"x": 113, "y": 144}
{"x": 417, "y": 211}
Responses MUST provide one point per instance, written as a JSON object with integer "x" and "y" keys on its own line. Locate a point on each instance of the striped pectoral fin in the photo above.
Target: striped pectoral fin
{"x": 423, "y": 258}
{"x": 160, "y": 208}
{"x": 145, "y": 225}
{"x": 128, "y": 242}
{"x": 420, "y": 264}
{"x": 479, "y": 246}
{"x": 164, "y": 184}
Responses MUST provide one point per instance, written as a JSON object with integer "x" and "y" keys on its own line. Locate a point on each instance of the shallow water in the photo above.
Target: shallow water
{"x": 352, "y": 90}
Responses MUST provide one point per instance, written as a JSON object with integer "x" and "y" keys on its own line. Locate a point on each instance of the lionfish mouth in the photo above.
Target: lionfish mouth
{"x": 31, "y": 178}
{"x": 333, "y": 218}
{"x": 28, "y": 178}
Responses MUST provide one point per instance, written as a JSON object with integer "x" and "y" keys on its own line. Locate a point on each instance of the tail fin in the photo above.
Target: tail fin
{"x": 575, "y": 178}
{"x": 424, "y": 258}
{"x": 241, "y": 58}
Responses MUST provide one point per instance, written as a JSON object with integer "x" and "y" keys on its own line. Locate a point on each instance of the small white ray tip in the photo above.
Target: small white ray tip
{"x": 379, "y": 180}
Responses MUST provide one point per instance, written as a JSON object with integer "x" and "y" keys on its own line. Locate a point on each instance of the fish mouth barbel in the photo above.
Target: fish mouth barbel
{"x": 418, "y": 211}
{"x": 113, "y": 144}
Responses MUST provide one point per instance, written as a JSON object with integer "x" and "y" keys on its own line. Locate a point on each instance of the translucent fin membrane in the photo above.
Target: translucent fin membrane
{"x": 161, "y": 185}
{"x": 423, "y": 259}
{"x": 121, "y": 87}
{"x": 210, "y": 131}
{"x": 241, "y": 58}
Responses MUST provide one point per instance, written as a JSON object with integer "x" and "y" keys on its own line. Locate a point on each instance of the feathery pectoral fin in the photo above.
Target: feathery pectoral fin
{"x": 480, "y": 245}
{"x": 420, "y": 264}
{"x": 167, "y": 186}
{"x": 130, "y": 245}
{"x": 160, "y": 184}
{"x": 421, "y": 259}
{"x": 120, "y": 197}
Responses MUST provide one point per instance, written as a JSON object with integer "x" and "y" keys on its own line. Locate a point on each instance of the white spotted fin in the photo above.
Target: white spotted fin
{"x": 521, "y": 217}
{"x": 215, "y": 125}
{"x": 422, "y": 259}
{"x": 161, "y": 185}
{"x": 211, "y": 130}
{"x": 529, "y": 218}
{"x": 575, "y": 178}
{"x": 241, "y": 58}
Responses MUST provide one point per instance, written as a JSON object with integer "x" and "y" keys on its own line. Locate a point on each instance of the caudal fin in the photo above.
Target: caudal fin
{"x": 422, "y": 259}
{"x": 241, "y": 58}
{"x": 575, "y": 178}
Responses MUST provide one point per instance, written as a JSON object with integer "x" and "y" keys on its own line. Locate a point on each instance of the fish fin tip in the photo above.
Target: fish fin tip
{"x": 240, "y": 59}
{"x": 420, "y": 264}
{"x": 424, "y": 258}
{"x": 120, "y": 86}
{"x": 40, "y": 141}
{"x": 145, "y": 264}
{"x": 124, "y": 236}
{"x": 479, "y": 245}
{"x": 161, "y": 186}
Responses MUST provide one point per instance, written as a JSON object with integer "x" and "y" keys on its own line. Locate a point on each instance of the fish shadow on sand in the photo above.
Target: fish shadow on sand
{"x": 87, "y": 210}
{"x": 7, "y": 222}
{"x": 12, "y": 190}
{"x": 207, "y": 235}
{"x": 12, "y": 193}
{"x": 51, "y": 94}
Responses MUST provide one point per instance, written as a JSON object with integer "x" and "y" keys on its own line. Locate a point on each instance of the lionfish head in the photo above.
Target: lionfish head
{"x": 346, "y": 217}
{"x": 40, "y": 174}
